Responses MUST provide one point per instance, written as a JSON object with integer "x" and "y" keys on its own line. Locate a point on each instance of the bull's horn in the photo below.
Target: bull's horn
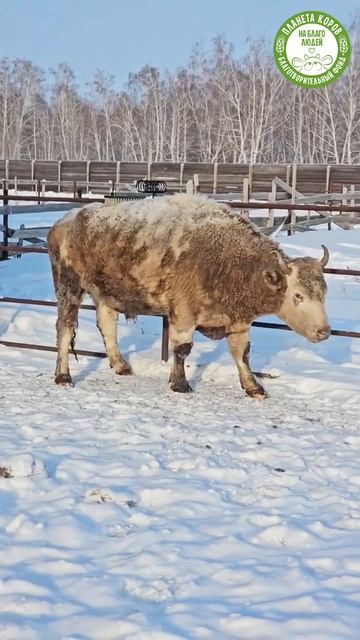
{"x": 282, "y": 264}
{"x": 325, "y": 259}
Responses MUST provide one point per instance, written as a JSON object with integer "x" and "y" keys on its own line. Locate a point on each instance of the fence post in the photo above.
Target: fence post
{"x": 32, "y": 174}
{"x": 246, "y": 212}
{"x": 165, "y": 339}
{"x": 250, "y": 176}
{"x": 87, "y": 175}
{"x": 39, "y": 189}
{"x": 328, "y": 188}
{"x": 4, "y": 254}
{"x": 288, "y": 172}
{"x": 196, "y": 182}
{"x": 328, "y": 183}
{"x": 215, "y": 177}
{"x": 352, "y": 201}
{"x": 118, "y": 175}
{"x": 293, "y": 197}
{"x": 59, "y": 175}
{"x": 344, "y": 190}
{"x": 272, "y": 198}
{"x": 189, "y": 187}
{"x": 293, "y": 182}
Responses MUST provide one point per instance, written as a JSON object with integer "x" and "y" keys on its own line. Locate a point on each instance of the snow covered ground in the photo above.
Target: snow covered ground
{"x": 128, "y": 511}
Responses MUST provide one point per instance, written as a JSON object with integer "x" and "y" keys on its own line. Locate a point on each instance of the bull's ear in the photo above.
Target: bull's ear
{"x": 273, "y": 279}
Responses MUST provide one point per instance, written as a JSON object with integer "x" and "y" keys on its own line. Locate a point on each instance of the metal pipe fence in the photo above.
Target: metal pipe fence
{"x": 6, "y": 248}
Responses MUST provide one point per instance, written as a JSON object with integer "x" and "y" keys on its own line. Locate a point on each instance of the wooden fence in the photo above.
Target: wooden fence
{"x": 208, "y": 177}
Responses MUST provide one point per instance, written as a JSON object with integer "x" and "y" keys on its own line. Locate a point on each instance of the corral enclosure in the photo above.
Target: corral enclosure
{"x": 212, "y": 177}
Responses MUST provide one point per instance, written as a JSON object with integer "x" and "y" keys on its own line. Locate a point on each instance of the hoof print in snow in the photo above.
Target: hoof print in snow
{"x": 97, "y": 496}
{"x": 5, "y": 472}
{"x": 131, "y": 504}
{"x": 22, "y": 466}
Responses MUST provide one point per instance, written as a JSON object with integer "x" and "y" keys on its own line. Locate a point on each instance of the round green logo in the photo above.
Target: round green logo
{"x": 312, "y": 49}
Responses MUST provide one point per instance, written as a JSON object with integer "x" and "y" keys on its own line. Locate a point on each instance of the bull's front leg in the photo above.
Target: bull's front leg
{"x": 181, "y": 334}
{"x": 239, "y": 347}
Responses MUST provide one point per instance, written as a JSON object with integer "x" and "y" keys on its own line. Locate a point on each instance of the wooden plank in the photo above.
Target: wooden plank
{"x": 74, "y": 170}
{"x": 323, "y": 197}
{"x": 166, "y": 171}
{"x": 31, "y": 232}
{"x": 40, "y": 208}
{"x": 46, "y": 170}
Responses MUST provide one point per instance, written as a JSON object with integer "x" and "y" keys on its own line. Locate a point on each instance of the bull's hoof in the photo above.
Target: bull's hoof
{"x": 257, "y": 393}
{"x": 64, "y": 379}
{"x": 123, "y": 369}
{"x": 181, "y": 387}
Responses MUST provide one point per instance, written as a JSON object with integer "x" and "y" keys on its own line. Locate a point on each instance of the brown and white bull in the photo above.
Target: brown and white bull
{"x": 187, "y": 257}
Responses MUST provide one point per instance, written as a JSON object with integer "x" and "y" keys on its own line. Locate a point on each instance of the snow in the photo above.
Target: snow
{"x": 131, "y": 512}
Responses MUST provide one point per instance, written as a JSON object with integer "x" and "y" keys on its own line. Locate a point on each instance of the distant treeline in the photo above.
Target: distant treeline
{"x": 217, "y": 108}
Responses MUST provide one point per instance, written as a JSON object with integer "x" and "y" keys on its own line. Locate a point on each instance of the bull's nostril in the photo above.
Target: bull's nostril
{"x": 324, "y": 332}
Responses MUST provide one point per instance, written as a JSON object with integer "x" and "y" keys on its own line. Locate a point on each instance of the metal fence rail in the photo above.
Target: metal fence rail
{"x": 165, "y": 322}
{"x": 6, "y": 248}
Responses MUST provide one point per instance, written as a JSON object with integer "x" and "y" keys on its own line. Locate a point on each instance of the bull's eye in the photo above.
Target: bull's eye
{"x": 298, "y": 298}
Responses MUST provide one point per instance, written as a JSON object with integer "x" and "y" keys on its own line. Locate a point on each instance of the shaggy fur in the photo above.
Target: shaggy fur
{"x": 187, "y": 257}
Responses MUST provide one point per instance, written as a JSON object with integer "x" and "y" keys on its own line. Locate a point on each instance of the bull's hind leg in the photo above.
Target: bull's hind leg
{"x": 106, "y": 319}
{"x": 69, "y": 294}
{"x": 181, "y": 333}
{"x": 239, "y": 347}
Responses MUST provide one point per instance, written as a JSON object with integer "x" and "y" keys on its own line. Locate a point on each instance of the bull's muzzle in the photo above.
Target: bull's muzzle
{"x": 322, "y": 334}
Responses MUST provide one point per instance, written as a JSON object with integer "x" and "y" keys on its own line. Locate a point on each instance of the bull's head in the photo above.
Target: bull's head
{"x": 303, "y": 306}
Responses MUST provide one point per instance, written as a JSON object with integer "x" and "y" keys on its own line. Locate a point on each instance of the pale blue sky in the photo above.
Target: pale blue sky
{"x": 120, "y": 36}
